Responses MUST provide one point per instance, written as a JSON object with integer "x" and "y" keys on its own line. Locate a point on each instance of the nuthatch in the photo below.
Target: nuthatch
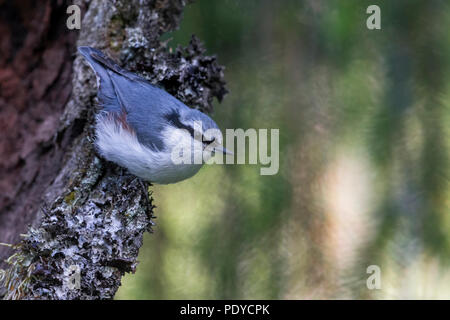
{"x": 142, "y": 127}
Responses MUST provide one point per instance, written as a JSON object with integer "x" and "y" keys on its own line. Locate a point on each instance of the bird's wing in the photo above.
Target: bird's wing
{"x": 147, "y": 108}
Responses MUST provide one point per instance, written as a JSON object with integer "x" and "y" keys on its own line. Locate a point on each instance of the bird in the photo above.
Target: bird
{"x": 145, "y": 129}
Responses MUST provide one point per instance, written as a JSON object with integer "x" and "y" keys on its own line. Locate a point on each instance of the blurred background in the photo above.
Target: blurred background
{"x": 364, "y": 118}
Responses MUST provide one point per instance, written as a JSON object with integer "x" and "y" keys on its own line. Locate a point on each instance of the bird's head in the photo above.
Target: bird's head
{"x": 194, "y": 131}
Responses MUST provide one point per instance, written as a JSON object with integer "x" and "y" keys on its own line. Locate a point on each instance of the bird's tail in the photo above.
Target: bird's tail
{"x": 104, "y": 68}
{"x": 108, "y": 73}
{"x": 99, "y": 62}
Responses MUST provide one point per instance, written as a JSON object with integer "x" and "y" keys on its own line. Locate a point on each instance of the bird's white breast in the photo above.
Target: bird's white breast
{"x": 121, "y": 146}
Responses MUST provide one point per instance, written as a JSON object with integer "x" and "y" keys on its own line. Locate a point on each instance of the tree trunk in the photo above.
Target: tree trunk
{"x": 87, "y": 216}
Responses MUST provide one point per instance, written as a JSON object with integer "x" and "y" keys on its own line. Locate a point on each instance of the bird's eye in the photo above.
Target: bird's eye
{"x": 208, "y": 141}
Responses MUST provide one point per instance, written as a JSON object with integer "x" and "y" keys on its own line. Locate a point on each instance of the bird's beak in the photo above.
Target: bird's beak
{"x": 223, "y": 150}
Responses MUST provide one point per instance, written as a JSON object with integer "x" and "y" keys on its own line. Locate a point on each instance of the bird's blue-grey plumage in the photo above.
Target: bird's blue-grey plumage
{"x": 121, "y": 90}
{"x": 146, "y": 109}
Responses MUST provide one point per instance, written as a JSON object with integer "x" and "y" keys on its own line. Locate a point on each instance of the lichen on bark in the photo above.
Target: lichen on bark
{"x": 94, "y": 214}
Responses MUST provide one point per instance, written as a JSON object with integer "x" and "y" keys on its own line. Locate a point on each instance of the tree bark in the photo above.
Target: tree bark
{"x": 87, "y": 216}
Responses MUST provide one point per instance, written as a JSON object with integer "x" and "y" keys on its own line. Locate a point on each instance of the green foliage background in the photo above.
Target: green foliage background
{"x": 364, "y": 158}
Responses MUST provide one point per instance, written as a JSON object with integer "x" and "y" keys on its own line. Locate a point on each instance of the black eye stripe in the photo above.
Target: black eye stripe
{"x": 208, "y": 141}
{"x": 174, "y": 118}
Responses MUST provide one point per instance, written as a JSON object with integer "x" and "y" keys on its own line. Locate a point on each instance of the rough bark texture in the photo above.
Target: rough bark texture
{"x": 35, "y": 85}
{"x": 87, "y": 215}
